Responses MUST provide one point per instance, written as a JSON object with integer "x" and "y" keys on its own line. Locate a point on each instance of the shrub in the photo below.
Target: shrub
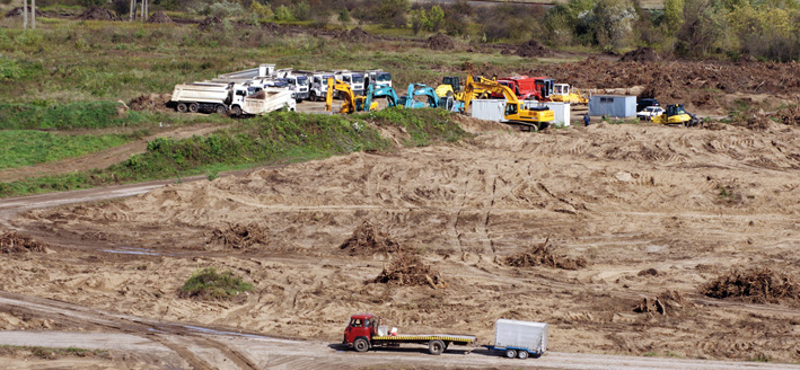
{"x": 210, "y": 284}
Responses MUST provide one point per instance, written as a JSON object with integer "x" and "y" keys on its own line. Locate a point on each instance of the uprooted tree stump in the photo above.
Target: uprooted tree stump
{"x": 670, "y": 300}
{"x": 757, "y": 285}
{"x": 11, "y": 242}
{"x": 240, "y": 236}
{"x": 368, "y": 240}
{"x": 409, "y": 270}
{"x": 542, "y": 255}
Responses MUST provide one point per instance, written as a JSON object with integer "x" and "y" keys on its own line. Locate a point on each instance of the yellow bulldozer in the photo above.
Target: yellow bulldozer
{"x": 563, "y": 93}
{"x": 534, "y": 118}
{"x": 675, "y": 114}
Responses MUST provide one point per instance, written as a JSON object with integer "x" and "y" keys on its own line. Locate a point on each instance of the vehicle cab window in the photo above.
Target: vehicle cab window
{"x": 356, "y": 323}
{"x": 511, "y": 109}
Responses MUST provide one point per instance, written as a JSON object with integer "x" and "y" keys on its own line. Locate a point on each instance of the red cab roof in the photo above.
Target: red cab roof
{"x": 362, "y": 316}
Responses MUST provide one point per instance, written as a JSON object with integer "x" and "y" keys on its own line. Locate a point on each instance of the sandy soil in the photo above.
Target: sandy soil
{"x": 640, "y": 203}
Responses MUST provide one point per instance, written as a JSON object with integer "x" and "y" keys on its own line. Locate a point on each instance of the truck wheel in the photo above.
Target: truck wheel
{"x": 221, "y": 110}
{"x": 194, "y": 107}
{"x": 236, "y": 111}
{"x": 522, "y": 355}
{"x": 436, "y": 347}
{"x": 361, "y": 345}
{"x": 313, "y": 96}
{"x": 510, "y": 353}
{"x": 182, "y": 107}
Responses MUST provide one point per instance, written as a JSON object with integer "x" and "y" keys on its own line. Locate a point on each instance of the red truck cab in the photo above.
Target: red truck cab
{"x": 360, "y": 330}
{"x": 539, "y": 88}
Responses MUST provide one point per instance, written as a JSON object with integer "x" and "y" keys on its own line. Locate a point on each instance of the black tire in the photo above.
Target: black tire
{"x": 436, "y": 347}
{"x": 182, "y": 107}
{"x": 522, "y": 355}
{"x": 510, "y": 353}
{"x": 298, "y": 101}
{"x": 194, "y": 108}
{"x": 361, "y": 345}
{"x": 313, "y": 96}
{"x": 236, "y": 111}
{"x": 221, "y": 110}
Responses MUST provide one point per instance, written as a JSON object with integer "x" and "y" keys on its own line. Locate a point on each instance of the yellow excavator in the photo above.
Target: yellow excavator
{"x": 535, "y": 118}
{"x": 565, "y": 94}
{"x": 351, "y": 101}
{"x": 675, "y": 115}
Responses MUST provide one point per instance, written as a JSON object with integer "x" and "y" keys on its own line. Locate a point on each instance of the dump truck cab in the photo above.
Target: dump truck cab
{"x": 359, "y": 331}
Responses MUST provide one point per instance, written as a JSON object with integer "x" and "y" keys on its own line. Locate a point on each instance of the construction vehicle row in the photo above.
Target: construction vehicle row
{"x": 514, "y": 338}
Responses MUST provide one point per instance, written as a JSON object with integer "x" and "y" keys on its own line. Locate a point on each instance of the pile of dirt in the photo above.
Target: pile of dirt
{"x": 240, "y": 236}
{"x": 533, "y": 49}
{"x": 150, "y": 102}
{"x": 356, "y": 35}
{"x": 98, "y": 14}
{"x": 788, "y": 116}
{"x": 642, "y": 54}
{"x": 208, "y": 23}
{"x": 17, "y": 12}
{"x": 409, "y": 270}
{"x": 367, "y": 240}
{"x": 542, "y": 255}
{"x": 11, "y": 242}
{"x": 440, "y": 41}
{"x": 758, "y": 285}
{"x": 273, "y": 28}
{"x": 159, "y": 17}
{"x": 670, "y": 301}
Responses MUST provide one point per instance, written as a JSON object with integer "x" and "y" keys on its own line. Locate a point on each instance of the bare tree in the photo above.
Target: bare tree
{"x": 143, "y": 4}
{"x": 33, "y": 13}
{"x": 25, "y": 14}
{"x": 133, "y": 9}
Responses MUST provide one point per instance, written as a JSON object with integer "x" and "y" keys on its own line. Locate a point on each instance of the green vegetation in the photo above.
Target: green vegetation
{"x": 24, "y": 147}
{"x": 210, "y": 284}
{"x": 65, "y": 116}
{"x": 277, "y": 138}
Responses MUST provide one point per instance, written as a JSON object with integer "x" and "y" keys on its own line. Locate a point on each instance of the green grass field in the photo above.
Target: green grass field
{"x": 20, "y": 148}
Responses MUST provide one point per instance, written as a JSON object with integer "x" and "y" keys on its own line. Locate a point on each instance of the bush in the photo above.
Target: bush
{"x": 209, "y": 284}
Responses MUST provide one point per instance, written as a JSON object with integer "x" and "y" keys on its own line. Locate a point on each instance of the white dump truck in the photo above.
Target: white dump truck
{"x": 352, "y": 78}
{"x": 519, "y": 339}
{"x": 229, "y": 97}
{"x": 377, "y": 77}
{"x": 297, "y": 82}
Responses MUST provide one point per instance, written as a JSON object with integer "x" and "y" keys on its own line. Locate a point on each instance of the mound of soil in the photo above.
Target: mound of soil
{"x": 11, "y": 242}
{"x": 440, "y": 41}
{"x": 356, "y": 35}
{"x": 758, "y": 285}
{"x": 17, "y": 12}
{"x": 642, "y": 54}
{"x": 408, "y": 269}
{"x": 542, "y": 255}
{"x": 98, "y": 14}
{"x": 366, "y": 240}
{"x": 669, "y": 301}
{"x": 240, "y": 236}
{"x": 159, "y": 17}
{"x": 150, "y": 102}
{"x": 533, "y": 49}
{"x": 209, "y": 22}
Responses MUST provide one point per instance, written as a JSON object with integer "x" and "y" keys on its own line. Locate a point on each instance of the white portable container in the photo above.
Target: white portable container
{"x": 521, "y": 335}
{"x": 489, "y": 109}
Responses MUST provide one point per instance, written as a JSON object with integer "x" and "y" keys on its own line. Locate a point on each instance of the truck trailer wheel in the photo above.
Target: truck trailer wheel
{"x": 522, "y": 355}
{"x": 236, "y": 111}
{"x": 436, "y": 347}
{"x": 182, "y": 107}
{"x": 221, "y": 110}
{"x": 361, "y": 345}
{"x": 510, "y": 353}
{"x": 313, "y": 96}
{"x": 194, "y": 107}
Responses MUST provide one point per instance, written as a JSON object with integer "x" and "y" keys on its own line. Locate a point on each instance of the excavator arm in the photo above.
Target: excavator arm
{"x": 349, "y": 104}
{"x": 473, "y": 88}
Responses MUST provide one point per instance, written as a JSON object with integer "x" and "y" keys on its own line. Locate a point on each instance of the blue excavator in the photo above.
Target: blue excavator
{"x": 370, "y": 105}
{"x": 407, "y": 101}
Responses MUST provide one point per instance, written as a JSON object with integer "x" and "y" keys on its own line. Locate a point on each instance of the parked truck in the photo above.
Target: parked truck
{"x": 366, "y": 331}
{"x": 298, "y": 83}
{"x": 353, "y": 78}
{"x": 526, "y": 88}
{"x": 377, "y": 77}
{"x": 229, "y": 97}
{"x": 519, "y": 339}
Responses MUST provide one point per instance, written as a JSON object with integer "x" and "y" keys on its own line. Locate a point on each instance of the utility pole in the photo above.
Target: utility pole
{"x": 25, "y": 15}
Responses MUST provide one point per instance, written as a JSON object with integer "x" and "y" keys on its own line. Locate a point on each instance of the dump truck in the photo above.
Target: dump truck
{"x": 519, "y": 339}
{"x": 377, "y": 77}
{"x": 234, "y": 98}
{"x": 366, "y": 331}
{"x": 539, "y": 88}
{"x": 352, "y": 78}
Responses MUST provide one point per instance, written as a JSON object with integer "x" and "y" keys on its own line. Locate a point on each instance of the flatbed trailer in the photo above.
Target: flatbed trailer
{"x": 364, "y": 332}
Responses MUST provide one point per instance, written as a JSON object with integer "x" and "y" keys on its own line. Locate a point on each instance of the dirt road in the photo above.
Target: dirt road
{"x": 655, "y": 212}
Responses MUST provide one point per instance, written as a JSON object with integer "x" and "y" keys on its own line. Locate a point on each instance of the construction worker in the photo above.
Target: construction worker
{"x": 586, "y": 119}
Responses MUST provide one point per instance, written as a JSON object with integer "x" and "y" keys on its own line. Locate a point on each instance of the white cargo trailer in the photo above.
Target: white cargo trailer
{"x": 516, "y": 338}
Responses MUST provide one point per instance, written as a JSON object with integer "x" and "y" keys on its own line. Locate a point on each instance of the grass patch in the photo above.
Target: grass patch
{"x": 276, "y": 138}
{"x": 210, "y": 284}
{"x": 90, "y": 115}
{"x": 20, "y": 148}
{"x": 52, "y": 353}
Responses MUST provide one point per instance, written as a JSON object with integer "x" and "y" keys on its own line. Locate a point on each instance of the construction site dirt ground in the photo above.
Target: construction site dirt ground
{"x": 629, "y": 212}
